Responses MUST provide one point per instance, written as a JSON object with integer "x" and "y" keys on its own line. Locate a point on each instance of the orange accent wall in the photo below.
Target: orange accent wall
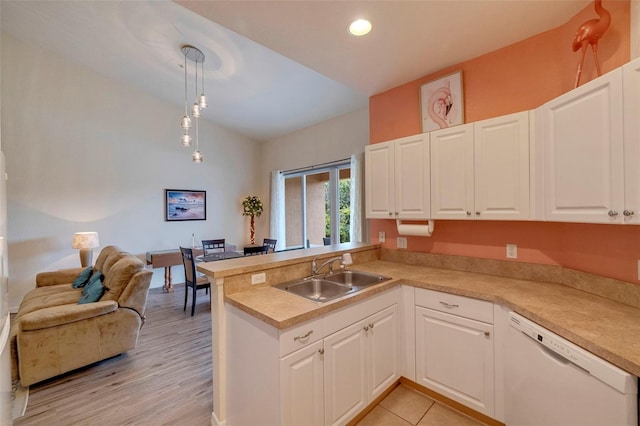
{"x": 519, "y": 77}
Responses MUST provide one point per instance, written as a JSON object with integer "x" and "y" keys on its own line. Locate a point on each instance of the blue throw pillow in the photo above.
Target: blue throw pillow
{"x": 82, "y": 279}
{"x": 93, "y": 291}
{"x": 96, "y": 276}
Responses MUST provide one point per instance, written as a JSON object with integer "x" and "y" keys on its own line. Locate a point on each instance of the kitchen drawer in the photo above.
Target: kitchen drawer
{"x": 348, "y": 315}
{"x": 479, "y": 310}
{"x": 300, "y": 336}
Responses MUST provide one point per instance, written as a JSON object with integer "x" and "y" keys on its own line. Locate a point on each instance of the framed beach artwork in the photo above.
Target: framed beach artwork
{"x": 442, "y": 103}
{"x": 181, "y": 204}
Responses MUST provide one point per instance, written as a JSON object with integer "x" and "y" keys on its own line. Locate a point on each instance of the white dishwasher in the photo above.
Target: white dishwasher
{"x": 551, "y": 381}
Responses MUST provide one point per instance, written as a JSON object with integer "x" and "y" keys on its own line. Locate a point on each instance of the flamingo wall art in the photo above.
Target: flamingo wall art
{"x": 442, "y": 103}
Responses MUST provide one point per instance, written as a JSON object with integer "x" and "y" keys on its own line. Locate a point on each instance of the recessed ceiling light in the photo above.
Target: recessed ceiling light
{"x": 360, "y": 27}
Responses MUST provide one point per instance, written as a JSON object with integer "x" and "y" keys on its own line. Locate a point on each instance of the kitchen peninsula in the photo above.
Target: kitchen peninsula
{"x": 561, "y": 300}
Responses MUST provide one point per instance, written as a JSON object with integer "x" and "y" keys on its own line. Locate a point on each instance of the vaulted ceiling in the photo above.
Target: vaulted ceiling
{"x": 273, "y": 67}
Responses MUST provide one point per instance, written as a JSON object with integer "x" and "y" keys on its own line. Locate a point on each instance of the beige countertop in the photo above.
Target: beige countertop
{"x": 604, "y": 327}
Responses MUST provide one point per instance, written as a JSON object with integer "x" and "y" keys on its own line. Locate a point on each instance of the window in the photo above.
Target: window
{"x": 318, "y": 205}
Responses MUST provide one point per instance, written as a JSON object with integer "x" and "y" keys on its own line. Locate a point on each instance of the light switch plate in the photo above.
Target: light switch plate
{"x": 381, "y": 237}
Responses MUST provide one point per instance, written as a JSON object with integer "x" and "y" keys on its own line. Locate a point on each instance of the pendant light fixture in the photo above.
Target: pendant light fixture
{"x": 195, "y": 55}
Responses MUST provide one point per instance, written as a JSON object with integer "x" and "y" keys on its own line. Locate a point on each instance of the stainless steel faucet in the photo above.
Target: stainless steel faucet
{"x": 345, "y": 260}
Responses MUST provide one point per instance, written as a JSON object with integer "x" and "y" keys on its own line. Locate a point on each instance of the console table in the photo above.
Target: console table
{"x": 168, "y": 258}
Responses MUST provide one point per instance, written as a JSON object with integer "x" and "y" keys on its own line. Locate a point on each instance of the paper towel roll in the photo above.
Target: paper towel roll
{"x": 414, "y": 229}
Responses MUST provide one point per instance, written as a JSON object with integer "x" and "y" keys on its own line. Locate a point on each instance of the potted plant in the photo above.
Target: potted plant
{"x": 252, "y": 206}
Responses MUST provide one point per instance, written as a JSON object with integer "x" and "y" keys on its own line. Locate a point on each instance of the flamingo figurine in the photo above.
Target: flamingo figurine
{"x": 590, "y": 33}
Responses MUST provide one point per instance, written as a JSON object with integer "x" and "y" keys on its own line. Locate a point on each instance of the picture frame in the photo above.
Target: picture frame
{"x": 442, "y": 102}
{"x": 184, "y": 204}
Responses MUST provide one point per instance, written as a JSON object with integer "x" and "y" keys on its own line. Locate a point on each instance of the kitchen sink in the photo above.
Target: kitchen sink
{"x": 331, "y": 286}
{"x": 356, "y": 278}
{"x": 317, "y": 289}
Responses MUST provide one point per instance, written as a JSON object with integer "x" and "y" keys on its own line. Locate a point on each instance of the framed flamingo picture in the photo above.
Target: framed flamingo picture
{"x": 442, "y": 102}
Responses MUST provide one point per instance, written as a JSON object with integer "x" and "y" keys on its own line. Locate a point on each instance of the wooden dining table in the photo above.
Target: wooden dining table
{"x": 172, "y": 257}
{"x": 221, "y": 255}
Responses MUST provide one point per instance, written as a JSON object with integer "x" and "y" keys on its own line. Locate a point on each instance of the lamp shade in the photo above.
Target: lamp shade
{"x": 85, "y": 240}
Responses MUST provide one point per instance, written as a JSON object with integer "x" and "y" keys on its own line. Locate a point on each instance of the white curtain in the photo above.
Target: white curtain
{"x": 355, "y": 227}
{"x": 277, "y": 213}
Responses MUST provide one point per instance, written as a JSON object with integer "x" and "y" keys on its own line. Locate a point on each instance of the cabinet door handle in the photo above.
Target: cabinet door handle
{"x": 371, "y": 326}
{"x": 366, "y": 328}
{"x": 628, "y": 212}
{"x": 304, "y": 336}
{"x": 321, "y": 351}
{"x": 612, "y": 213}
{"x": 486, "y": 333}
{"x": 468, "y": 213}
{"x": 477, "y": 213}
{"x": 449, "y": 305}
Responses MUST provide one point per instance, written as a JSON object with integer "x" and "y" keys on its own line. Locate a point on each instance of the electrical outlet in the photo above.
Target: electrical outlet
{"x": 401, "y": 242}
{"x": 512, "y": 251}
{"x": 381, "y": 237}
{"x": 258, "y": 278}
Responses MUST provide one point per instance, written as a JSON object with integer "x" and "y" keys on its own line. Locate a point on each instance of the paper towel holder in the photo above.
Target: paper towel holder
{"x": 415, "y": 229}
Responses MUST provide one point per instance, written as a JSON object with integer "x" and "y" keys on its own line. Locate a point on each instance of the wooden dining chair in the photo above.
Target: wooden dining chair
{"x": 192, "y": 279}
{"x": 212, "y": 246}
{"x": 270, "y": 243}
{"x": 254, "y": 250}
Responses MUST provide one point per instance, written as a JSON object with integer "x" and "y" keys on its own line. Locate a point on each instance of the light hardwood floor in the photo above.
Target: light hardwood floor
{"x": 166, "y": 380}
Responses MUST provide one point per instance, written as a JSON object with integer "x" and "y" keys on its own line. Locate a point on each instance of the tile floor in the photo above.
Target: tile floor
{"x": 405, "y": 406}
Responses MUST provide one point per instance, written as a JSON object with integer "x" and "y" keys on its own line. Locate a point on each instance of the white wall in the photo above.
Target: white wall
{"x": 330, "y": 140}
{"x": 88, "y": 153}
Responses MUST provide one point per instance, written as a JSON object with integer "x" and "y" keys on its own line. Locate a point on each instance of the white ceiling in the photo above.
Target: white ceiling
{"x": 273, "y": 67}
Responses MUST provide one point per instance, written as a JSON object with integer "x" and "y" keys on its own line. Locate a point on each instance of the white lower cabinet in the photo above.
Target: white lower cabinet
{"x": 302, "y": 386}
{"x": 360, "y": 362}
{"x": 455, "y": 348}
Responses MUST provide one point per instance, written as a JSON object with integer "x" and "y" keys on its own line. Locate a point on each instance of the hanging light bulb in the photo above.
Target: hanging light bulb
{"x": 202, "y": 99}
{"x": 186, "y": 139}
{"x": 186, "y": 120}
{"x": 197, "y": 156}
{"x": 195, "y": 109}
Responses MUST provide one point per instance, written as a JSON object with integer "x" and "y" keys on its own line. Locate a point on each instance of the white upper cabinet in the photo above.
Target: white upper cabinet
{"x": 452, "y": 172}
{"x": 379, "y": 180}
{"x": 584, "y": 153}
{"x": 501, "y": 167}
{"x": 631, "y": 88}
{"x": 397, "y": 179}
{"x": 481, "y": 170}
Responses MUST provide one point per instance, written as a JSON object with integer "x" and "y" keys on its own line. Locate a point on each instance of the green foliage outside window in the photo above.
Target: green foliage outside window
{"x": 344, "y": 201}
